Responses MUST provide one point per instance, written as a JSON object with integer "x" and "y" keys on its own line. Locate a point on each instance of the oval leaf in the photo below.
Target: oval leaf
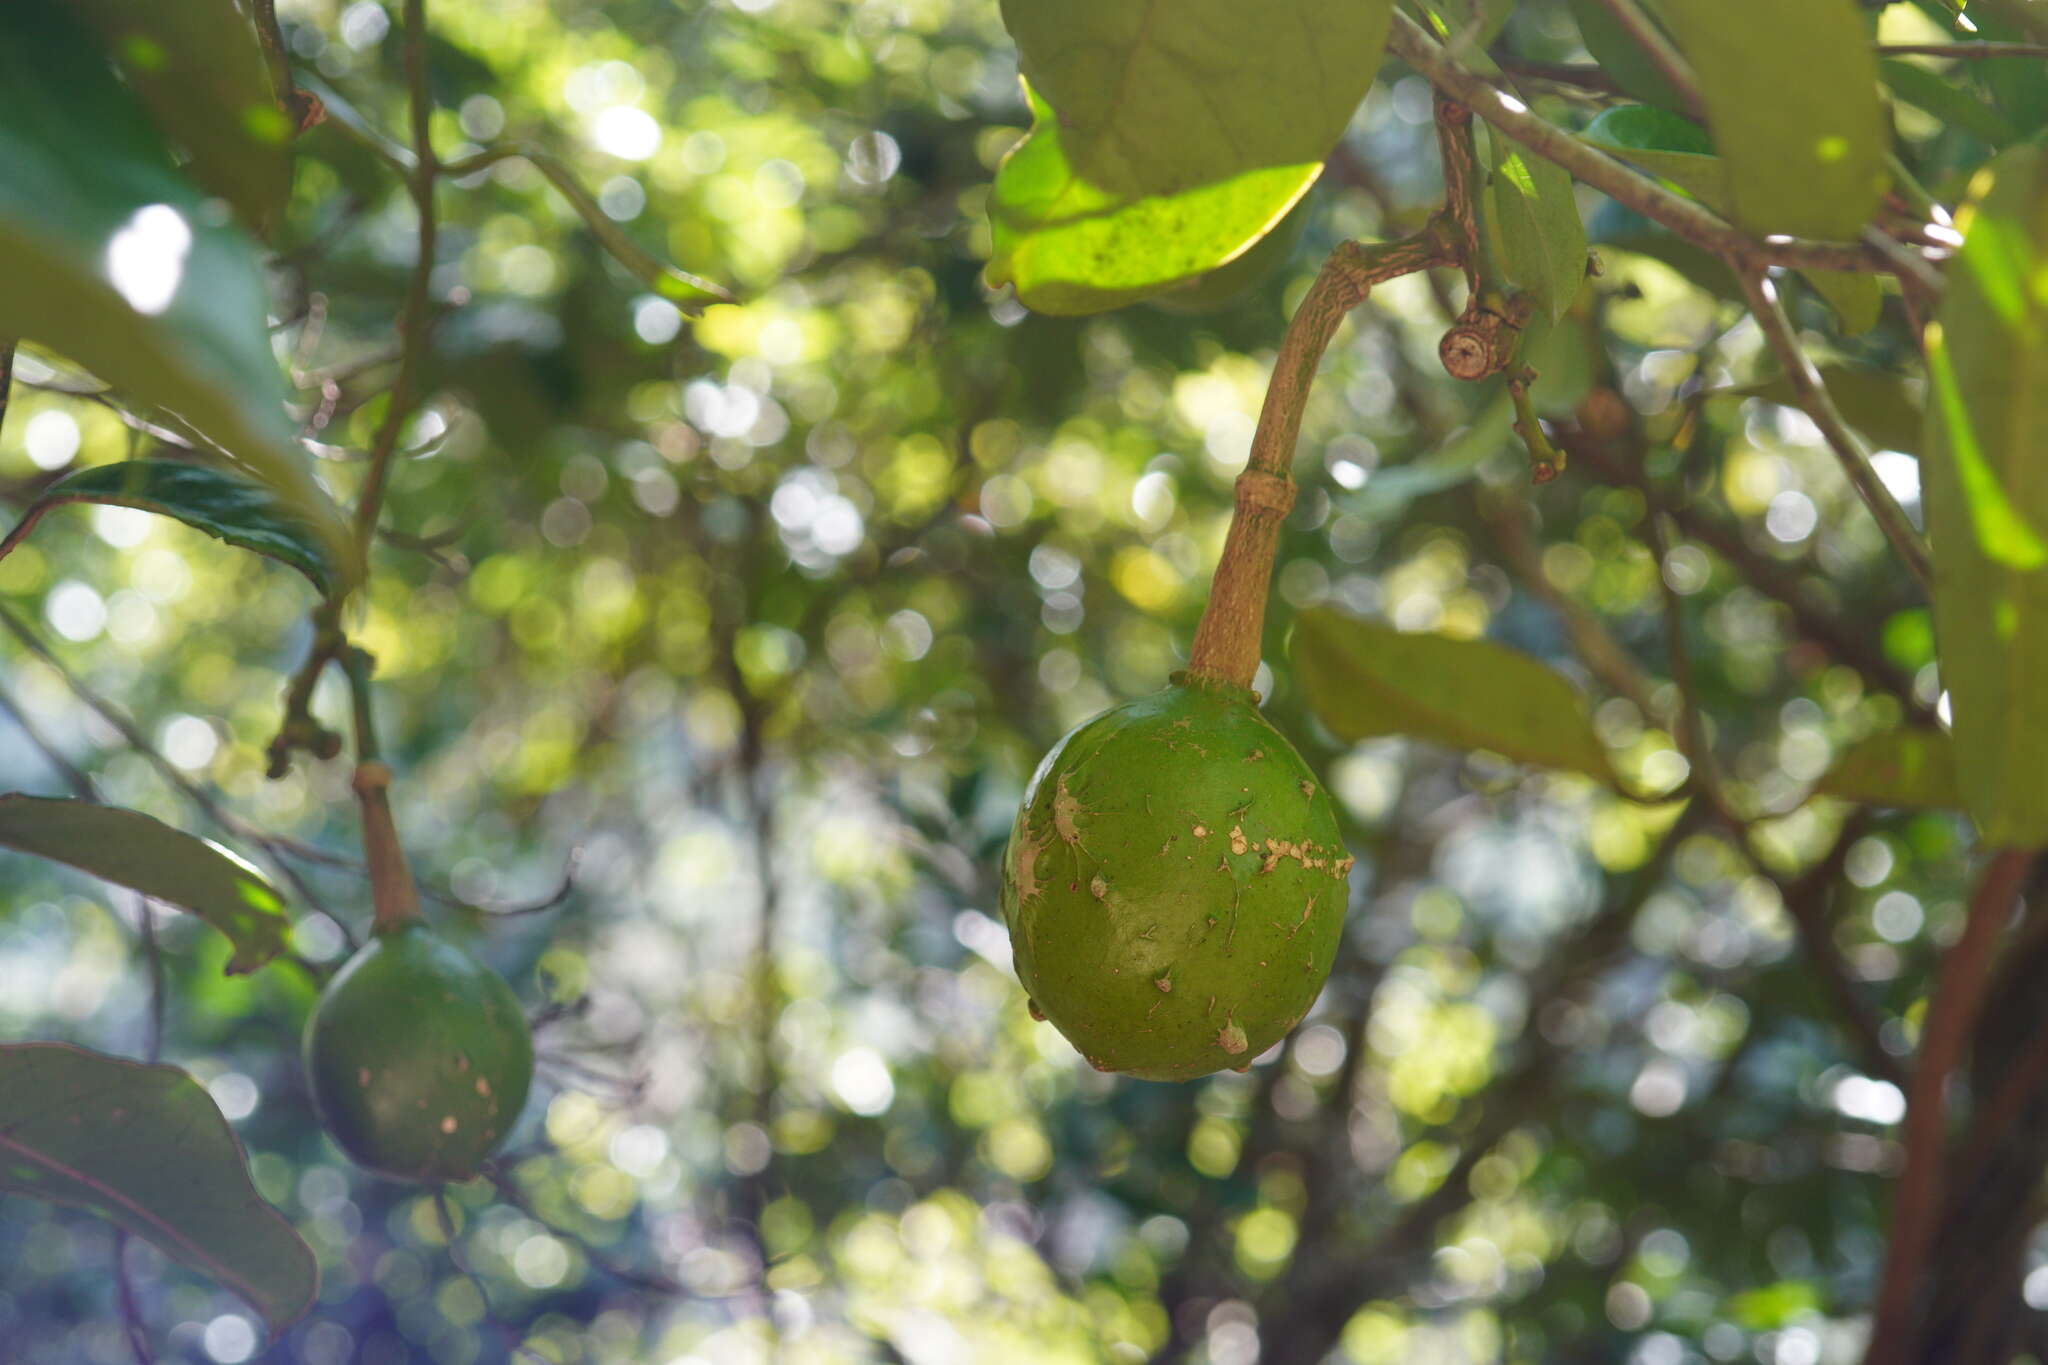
{"x": 144, "y": 854}
{"x": 116, "y": 260}
{"x": 1533, "y": 228}
{"x": 146, "y": 1147}
{"x": 1669, "y": 147}
{"x": 224, "y": 506}
{"x": 1914, "y": 767}
{"x": 1986, "y": 493}
{"x": 1621, "y": 57}
{"x": 1791, "y": 96}
{"x": 1365, "y": 679}
{"x": 1954, "y": 103}
{"x": 1164, "y": 144}
{"x": 198, "y": 66}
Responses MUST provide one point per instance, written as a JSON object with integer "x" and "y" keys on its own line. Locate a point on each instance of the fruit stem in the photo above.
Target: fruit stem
{"x": 1226, "y": 645}
{"x": 394, "y": 898}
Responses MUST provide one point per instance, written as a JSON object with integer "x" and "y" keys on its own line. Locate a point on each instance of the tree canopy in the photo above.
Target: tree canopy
{"x": 643, "y": 485}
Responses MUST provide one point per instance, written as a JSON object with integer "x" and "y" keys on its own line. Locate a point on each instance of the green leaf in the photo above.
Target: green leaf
{"x": 1621, "y": 57}
{"x": 116, "y": 260}
{"x": 1791, "y": 97}
{"x": 1913, "y": 767}
{"x": 143, "y": 854}
{"x": 1669, "y": 147}
{"x": 1857, "y": 299}
{"x": 1985, "y": 488}
{"x": 223, "y": 505}
{"x": 1533, "y": 228}
{"x": 1365, "y": 679}
{"x": 198, "y": 66}
{"x": 1163, "y": 145}
{"x": 146, "y": 1147}
{"x": 1946, "y": 99}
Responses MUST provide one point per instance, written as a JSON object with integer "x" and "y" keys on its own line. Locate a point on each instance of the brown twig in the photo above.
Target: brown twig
{"x": 1952, "y": 1009}
{"x": 1686, "y": 217}
{"x": 1842, "y": 438}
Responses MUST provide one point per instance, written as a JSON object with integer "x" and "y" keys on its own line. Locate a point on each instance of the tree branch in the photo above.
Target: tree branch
{"x": 1841, "y": 437}
{"x": 1686, "y": 217}
{"x": 1952, "y": 1009}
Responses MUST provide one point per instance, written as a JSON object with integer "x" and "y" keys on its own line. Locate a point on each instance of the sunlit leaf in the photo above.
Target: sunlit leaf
{"x": 1915, "y": 767}
{"x": 115, "y": 259}
{"x": 147, "y": 1147}
{"x": 1791, "y": 98}
{"x": 143, "y": 854}
{"x": 1985, "y": 486}
{"x": 1533, "y": 228}
{"x": 1365, "y": 679}
{"x": 223, "y": 505}
{"x": 1164, "y": 145}
{"x": 199, "y": 68}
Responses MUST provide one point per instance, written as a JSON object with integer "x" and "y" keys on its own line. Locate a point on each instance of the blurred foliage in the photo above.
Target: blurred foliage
{"x": 760, "y": 622}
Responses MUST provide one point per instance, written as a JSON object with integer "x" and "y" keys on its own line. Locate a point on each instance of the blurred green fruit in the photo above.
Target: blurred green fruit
{"x": 419, "y": 1057}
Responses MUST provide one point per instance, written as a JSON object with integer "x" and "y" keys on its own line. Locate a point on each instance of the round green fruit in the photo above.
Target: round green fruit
{"x": 418, "y": 1056}
{"x": 1175, "y": 884}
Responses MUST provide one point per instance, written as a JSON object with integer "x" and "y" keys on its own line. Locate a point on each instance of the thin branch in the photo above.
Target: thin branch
{"x": 1952, "y": 1009}
{"x": 413, "y": 320}
{"x": 1691, "y": 725}
{"x": 1658, "y": 47}
{"x": 132, "y": 735}
{"x": 1686, "y": 217}
{"x": 509, "y": 1191}
{"x": 7, "y": 346}
{"x": 1963, "y": 52}
{"x": 1841, "y": 437}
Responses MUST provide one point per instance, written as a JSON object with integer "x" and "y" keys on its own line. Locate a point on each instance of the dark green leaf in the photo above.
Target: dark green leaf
{"x": 223, "y": 505}
{"x": 1985, "y": 488}
{"x": 1791, "y": 97}
{"x": 1622, "y": 58}
{"x": 199, "y": 68}
{"x": 116, "y": 260}
{"x": 1669, "y": 147}
{"x": 1178, "y": 140}
{"x": 1365, "y": 679}
{"x": 142, "y": 853}
{"x": 1533, "y": 228}
{"x": 1947, "y": 99}
{"x": 146, "y": 1147}
{"x": 1896, "y": 768}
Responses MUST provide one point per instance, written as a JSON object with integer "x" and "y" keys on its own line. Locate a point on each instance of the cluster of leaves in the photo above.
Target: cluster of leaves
{"x": 774, "y": 611}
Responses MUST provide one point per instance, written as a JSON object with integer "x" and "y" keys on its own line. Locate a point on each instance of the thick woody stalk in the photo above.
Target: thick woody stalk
{"x": 1226, "y": 645}
{"x": 394, "y": 898}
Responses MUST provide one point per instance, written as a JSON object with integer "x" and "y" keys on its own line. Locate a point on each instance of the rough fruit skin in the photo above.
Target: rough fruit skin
{"x": 419, "y": 1057}
{"x": 1175, "y": 884}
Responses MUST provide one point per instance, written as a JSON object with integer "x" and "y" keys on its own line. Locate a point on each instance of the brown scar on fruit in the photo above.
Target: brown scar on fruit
{"x": 1255, "y": 755}
{"x": 1306, "y": 911}
{"x": 1027, "y": 869}
{"x": 1238, "y": 843}
{"x": 1098, "y": 887}
{"x": 1201, "y": 831}
{"x": 1165, "y": 984}
{"x": 1308, "y": 789}
{"x": 1231, "y": 1038}
{"x": 1066, "y": 807}
{"x": 1036, "y": 1013}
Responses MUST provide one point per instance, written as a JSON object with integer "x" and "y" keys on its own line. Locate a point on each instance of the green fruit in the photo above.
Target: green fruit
{"x": 1175, "y": 884}
{"x": 419, "y": 1057}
